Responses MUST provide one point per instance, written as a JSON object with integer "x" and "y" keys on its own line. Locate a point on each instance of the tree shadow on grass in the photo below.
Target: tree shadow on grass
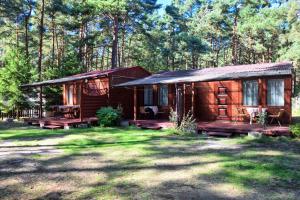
{"x": 246, "y": 166}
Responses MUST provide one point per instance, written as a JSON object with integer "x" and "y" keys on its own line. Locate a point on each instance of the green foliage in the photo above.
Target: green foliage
{"x": 173, "y": 117}
{"x": 16, "y": 71}
{"x": 295, "y": 129}
{"x": 186, "y": 126}
{"x": 109, "y": 116}
{"x": 262, "y": 118}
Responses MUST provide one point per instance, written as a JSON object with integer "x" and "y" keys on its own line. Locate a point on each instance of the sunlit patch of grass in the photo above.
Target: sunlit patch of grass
{"x": 124, "y": 163}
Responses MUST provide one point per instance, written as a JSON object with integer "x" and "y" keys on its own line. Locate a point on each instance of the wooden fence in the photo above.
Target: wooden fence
{"x": 15, "y": 114}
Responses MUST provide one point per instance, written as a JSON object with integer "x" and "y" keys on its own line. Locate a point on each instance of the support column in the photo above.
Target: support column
{"x": 179, "y": 103}
{"x": 41, "y": 102}
{"x": 135, "y": 103}
{"x": 81, "y": 100}
{"x": 193, "y": 99}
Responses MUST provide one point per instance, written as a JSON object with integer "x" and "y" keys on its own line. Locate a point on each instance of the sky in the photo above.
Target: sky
{"x": 164, "y": 3}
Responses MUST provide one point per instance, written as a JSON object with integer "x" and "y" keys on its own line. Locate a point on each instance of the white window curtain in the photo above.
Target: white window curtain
{"x": 163, "y": 95}
{"x": 250, "y": 93}
{"x": 70, "y": 95}
{"x": 275, "y": 92}
{"x": 148, "y": 96}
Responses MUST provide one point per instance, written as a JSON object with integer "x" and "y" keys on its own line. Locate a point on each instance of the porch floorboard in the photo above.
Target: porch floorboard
{"x": 219, "y": 126}
{"x": 63, "y": 122}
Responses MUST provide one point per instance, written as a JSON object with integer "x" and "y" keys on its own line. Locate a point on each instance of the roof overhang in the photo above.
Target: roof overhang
{"x": 61, "y": 81}
{"x": 197, "y": 76}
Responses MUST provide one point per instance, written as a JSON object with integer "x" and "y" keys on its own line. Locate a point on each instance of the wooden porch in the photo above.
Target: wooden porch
{"x": 219, "y": 127}
{"x": 56, "y": 123}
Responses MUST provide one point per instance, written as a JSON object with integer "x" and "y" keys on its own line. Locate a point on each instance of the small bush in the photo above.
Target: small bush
{"x": 173, "y": 117}
{"x": 262, "y": 118}
{"x": 109, "y": 116}
{"x": 186, "y": 127}
{"x": 295, "y": 129}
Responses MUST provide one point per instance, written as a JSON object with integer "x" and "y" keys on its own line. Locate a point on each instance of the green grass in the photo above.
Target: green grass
{"x": 129, "y": 163}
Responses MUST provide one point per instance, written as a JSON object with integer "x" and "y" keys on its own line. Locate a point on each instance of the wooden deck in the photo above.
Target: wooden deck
{"x": 61, "y": 122}
{"x": 220, "y": 126}
{"x": 151, "y": 124}
{"x": 242, "y": 128}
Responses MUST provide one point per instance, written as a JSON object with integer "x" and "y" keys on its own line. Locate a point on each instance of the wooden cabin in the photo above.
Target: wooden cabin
{"x": 216, "y": 93}
{"x": 83, "y": 94}
{"x": 94, "y": 93}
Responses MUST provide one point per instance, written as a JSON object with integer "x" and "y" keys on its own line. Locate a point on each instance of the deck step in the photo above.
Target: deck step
{"x": 225, "y": 134}
{"x": 150, "y": 126}
{"x": 52, "y": 127}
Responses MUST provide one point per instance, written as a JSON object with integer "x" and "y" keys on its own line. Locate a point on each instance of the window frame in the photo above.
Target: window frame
{"x": 268, "y": 90}
{"x": 244, "y": 92}
{"x": 149, "y": 101}
{"x": 161, "y": 93}
{"x": 70, "y": 93}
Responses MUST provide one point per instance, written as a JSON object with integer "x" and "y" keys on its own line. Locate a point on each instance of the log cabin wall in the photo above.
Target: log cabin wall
{"x": 94, "y": 96}
{"x": 122, "y": 96}
{"x": 165, "y": 109}
{"x": 100, "y": 92}
{"x": 219, "y": 99}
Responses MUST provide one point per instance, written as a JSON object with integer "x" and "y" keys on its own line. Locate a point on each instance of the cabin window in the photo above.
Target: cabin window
{"x": 148, "y": 95}
{"x": 275, "y": 92}
{"x": 70, "y": 95}
{"x": 250, "y": 93}
{"x": 163, "y": 95}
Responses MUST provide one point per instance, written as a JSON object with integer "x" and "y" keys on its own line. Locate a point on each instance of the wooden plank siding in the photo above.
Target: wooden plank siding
{"x": 206, "y": 98}
{"x": 100, "y": 92}
{"x": 206, "y": 103}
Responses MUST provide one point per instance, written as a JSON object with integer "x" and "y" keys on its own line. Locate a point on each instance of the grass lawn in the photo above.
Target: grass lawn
{"x": 115, "y": 163}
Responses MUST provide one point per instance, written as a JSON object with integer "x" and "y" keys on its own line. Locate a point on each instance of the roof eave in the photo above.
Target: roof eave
{"x": 48, "y": 82}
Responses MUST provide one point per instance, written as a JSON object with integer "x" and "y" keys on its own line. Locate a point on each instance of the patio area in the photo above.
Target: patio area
{"x": 56, "y": 122}
{"x": 219, "y": 127}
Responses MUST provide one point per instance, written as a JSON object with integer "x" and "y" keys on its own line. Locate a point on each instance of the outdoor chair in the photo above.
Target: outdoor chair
{"x": 241, "y": 113}
{"x": 277, "y": 117}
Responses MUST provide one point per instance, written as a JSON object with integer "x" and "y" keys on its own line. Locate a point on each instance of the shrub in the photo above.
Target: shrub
{"x": 262, "y": 118}
{"x": 109, "y": 116}
{"x": 295, "y": 129}
{"x": 187, "y": 125}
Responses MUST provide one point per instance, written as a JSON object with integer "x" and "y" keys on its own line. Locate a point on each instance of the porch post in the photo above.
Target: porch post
{"x": 80, "y": 103}
{"x": 41, "y": 102}
{"x": 193, "y": 99}
{"x": 178, "y": 103}
{"x": 135, "y": 103}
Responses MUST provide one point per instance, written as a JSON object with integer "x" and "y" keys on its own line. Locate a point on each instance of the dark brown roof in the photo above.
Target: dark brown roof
{"x": 216, "y": 73}
{"x": 77, "y": 77}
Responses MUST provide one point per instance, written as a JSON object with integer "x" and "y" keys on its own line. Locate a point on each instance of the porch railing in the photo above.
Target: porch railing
{"x": 15, "y": 114}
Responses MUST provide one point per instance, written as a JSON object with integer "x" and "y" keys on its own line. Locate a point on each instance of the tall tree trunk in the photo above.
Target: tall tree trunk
{"x": 53, "y": 40}
{"x": 27, "y": 17}
{"x": 107, "y": 59}
{"x": 115, "y": 42}
{"x": 26, "y": 37}
{"x": 41, "y": 35}
{"x": 123, "y": 45}
{"x": 58, "y": 49}
{"x": 234, "y": 41}
{"x": 102, "y": 58}
{"x": 81, "y": 37}
{"x": 40, "y": 55}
